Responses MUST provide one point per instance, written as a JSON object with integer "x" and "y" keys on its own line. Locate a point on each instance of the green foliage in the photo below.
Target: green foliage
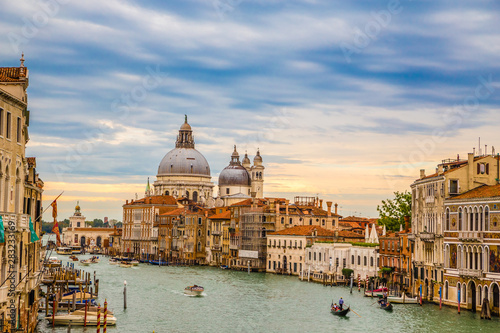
{"x": 364, "y": 244}
{"x": 97, "y": 223}
{"x": 119, "y": 225}
{"x": 347, "y": 272}
{"x": 47, "y": 226}
{"x": 393, "y": 211}
{"x": 387, "y": 270}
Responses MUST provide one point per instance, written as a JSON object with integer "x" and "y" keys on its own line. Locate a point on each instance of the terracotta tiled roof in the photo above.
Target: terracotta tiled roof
{"x": 222, "y": 216}
{"x": 350, "y": 234}
{"x": 155, "y": 200}
{"x": 304, "y": 230}
{"x": 12, "y": 74}
{"x": 484, "y": 191}
{"x": 248, "y": 202}
{"x": 183, "y": 211}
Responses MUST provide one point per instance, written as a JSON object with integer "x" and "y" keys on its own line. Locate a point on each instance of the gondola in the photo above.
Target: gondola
{"x": 385, "y": 305}
{"x": 341, "y": 313}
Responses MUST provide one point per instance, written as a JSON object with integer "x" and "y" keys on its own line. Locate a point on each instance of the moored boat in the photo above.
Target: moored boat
{"x": 53, "y": 262}
{"x": 339, "y": 312}
{"x": 78, "y": 319}
{"x": 402, "y": 299}
{"x": 376, "y": 292}
{"x": 134, "y": 262}
{"x": 194, "y": 290}
{"x": 74, "y": 258}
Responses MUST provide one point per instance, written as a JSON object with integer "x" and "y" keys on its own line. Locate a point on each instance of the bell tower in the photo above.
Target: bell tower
{"x": 258, "y": 176}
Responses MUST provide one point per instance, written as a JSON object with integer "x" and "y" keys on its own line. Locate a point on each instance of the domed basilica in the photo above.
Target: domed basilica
{"x": 184, "y": 172}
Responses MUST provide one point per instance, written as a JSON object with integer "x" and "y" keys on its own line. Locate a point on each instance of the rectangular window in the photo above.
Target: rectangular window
{"x": 454, "y": 186}
{"x": 18, "y": 134}
{"x": 269, "y": 264}
{"x": 314, "y": 256}
{"x": 309, "y": 255}
{"x": 295, "y": 267}
{"x": 8, "y": 129}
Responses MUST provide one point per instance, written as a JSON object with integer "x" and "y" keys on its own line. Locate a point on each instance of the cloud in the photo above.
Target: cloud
{"x": 265, "y": 74}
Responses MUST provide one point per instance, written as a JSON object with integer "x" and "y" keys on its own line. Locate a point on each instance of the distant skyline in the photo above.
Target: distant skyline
{"x": 345, "y": 100}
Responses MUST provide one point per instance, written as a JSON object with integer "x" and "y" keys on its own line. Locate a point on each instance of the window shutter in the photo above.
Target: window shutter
{"x": 478, "y": 169}
{"x": 487, "y": 168}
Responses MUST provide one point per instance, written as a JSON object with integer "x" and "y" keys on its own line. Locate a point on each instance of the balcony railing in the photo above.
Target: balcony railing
{"x": 216, "y": 232}
{"x": 427, "y": 236}
{"x": 477, "y": 273}
{"x": 471, "y": 236}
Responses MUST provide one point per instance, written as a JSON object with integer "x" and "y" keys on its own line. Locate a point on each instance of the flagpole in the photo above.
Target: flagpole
{"x": 49, "y": 206}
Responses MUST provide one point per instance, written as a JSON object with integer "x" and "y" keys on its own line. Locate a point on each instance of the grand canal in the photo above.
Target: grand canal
{"x": 242, "y": 302}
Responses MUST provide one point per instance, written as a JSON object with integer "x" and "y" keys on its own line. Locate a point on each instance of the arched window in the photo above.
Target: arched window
{"x": 199, "y": 246}
{"x": 359, "y": 260}
{"x": 310, "y": 221}
{"x": 167, "y": 193}
{"x": 290, "y": 220}
{"x": 195, "y": 196}
{"x": 199, "y": 233}
{"x": 365, "y": 261}
{"x": 352, "y": 260}
{"x": 187, "y": 194}
{"x": 447, "y": 219}
{"x": 486, "y": 218}
{"x": 371, "y": 261}
{"x": 460, "y": 226}
{"x": 282, "y": 220}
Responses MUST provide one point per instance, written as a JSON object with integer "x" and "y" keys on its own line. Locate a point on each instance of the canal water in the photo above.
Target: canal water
{"x": 256, "y": 302}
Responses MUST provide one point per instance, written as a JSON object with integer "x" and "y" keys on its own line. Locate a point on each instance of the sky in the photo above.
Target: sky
{"x": 346, "y": 100}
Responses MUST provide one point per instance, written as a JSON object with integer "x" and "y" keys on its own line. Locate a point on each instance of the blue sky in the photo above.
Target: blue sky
{"x": 346, "y": 100}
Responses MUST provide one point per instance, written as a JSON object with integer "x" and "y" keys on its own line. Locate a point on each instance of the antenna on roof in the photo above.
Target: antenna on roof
{"x": 479, "y": 147}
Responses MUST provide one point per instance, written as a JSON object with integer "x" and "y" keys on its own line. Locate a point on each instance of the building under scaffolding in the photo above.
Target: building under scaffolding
{"x": 256, "y": 222}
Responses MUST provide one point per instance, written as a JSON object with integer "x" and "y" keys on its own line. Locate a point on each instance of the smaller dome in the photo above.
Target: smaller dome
{"x": 77, "y": 207}
{"x": 257, "y": 157}
{"x": 246, "y": 160}
{"x": 234, "y": 175}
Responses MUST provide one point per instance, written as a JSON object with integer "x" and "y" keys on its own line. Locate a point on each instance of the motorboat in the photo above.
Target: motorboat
{"x": 194, "y": 290}
{"x": 80, "y": 296}
{"x": 53, "y": 262}
{"x": 79, "y": 319}
{"x": 125, "y": 264}
{"x": 73, "y": 257}
{"x": 85, "y": 262}
{"x": 134, "y": 262}
{"x": 64, "y": 250}
{"x": 403, "y": 299}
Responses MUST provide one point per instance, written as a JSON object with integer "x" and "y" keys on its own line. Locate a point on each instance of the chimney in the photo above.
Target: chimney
{"x": 422, "y": 173}
{"x": 126, "y": 202}
{"x": 321, "y": 203}
{"x": 336, "y": 205}
{"x": 470, "y": 168}
{"x": 407, "y": 223}
{"x": 287, "y": 202}
{"x": 440, "y": 169}
{"x": 329, "y": 205}
{"x": 492, "y": 151}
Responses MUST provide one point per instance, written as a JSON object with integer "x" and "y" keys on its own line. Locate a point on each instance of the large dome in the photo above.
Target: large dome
{"x": 234, "y": 175}
{"x": 184, "y": 161}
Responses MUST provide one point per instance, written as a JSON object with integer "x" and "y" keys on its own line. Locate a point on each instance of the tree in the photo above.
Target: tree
{"x": 97, "y": 223}
{"x": 393, "y": 211}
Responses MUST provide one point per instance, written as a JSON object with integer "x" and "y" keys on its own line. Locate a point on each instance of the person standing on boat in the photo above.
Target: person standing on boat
{"x": 341, "y": 303}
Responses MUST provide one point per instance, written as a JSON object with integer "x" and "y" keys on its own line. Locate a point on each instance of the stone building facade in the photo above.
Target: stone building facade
{"x": 20, "y": 205}
{"x": 452, "y": 177}
{"x": 472, "y": 248}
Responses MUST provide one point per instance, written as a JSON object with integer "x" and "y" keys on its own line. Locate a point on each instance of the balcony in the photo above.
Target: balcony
{"x": 470, "y": 236}
{"x": 216, "y": 248}
{"x": 216, "y": 232}
{"x": 3, "y": 294}
{"x": 427, "y": 236}
{"x": 466, "y": 272}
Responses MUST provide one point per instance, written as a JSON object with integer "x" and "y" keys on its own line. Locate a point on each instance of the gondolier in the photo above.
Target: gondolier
{"x": 341, "y": 303}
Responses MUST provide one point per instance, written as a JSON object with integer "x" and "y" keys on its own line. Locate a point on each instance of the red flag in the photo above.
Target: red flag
{"x": 54, "y": 209}
{"x": 55, "y": 229}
